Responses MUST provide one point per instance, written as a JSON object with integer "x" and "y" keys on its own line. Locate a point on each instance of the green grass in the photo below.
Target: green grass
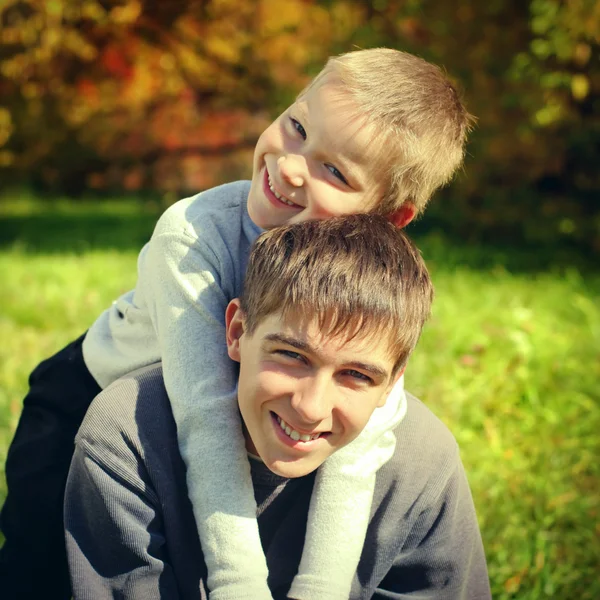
{"x": 510, "y": 361}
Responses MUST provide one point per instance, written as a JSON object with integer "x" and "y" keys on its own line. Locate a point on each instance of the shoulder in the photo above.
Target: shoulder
{"x": 126, "y": 416}
{"x": 422, "y": 428}
{"x": 423, "y": 536}
{"x": 221, "y": 206}
{"x": 425, "y": 459}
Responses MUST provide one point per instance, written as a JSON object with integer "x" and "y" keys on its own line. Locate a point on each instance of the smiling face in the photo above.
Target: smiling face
{"x": 311, "y": 163}
{"x": 303, "y": 394}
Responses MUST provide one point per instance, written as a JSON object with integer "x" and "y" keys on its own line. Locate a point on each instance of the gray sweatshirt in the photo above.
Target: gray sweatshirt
{"x": 192, "y": 267}
{"x": 130, "y": 526}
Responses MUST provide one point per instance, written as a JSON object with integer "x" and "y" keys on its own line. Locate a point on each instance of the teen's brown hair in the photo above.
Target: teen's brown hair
{"x": 357, "y": 274}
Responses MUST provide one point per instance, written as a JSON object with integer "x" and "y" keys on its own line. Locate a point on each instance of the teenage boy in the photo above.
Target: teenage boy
{"x": 330, "y": 312}
{"x": 377, "y": 130}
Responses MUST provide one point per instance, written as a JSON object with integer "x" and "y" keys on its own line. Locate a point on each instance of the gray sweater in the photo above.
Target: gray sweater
{"x": 130, "y": 526}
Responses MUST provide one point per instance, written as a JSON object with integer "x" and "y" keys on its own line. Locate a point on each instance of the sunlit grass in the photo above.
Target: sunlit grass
{"x": 511, "y": 364}
{"x": 510, "y": 361}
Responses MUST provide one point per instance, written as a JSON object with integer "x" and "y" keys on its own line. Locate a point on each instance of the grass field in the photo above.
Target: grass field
{"x": 510, "y": 361}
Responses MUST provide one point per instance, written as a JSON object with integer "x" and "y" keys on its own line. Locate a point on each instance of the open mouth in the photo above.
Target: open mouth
{"x": 276, "y": 195}
{"x": 293, "y": 437}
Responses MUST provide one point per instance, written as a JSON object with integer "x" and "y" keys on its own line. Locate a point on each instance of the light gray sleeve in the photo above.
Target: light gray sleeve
{"x": 114, "y": 534}
{"x": 341, "y": 504}
{"x": 442, "y": 556}
{"x": 184, "y": 279}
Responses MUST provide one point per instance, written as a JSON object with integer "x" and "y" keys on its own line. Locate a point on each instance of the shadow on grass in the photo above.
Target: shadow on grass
{"x": 447, "y": 249}
{"x": 69, "y": 226}
{"x": 77, "y": 232}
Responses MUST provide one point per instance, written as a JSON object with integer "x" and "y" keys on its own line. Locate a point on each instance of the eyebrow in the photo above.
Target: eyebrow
{"x": 371, "y": 368}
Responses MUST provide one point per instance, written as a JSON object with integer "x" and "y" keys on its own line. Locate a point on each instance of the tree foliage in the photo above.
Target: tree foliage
{"x": 172, "y": 95}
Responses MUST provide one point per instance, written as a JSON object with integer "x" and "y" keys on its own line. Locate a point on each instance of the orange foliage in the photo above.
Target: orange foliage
{"x": 114, "y": 61}
{"x": 154, "y": 92}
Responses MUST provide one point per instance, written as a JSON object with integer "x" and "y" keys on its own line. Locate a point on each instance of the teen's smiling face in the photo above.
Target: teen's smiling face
{"x": 311, "y": 163}
{"x": 303, "y": 395}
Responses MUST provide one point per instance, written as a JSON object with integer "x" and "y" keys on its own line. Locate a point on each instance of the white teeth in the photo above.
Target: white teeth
{"x": 294, "y": 434}
{"x": 279, "y": 196}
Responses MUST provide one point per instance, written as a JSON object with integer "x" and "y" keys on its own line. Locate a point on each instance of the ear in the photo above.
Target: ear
{"x": 234, "y": 326}
{"x": 392, "y": 383}
{"x": 403, "y": 216}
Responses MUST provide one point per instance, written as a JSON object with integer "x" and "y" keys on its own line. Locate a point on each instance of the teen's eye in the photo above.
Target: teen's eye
{"x": 358, "y": 376}
{"x": 290, "y": 354}
{"x": 337, "y": 174}
{"x": 298, "y": 127}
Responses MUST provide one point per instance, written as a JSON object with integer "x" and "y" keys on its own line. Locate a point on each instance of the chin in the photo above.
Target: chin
{"x": 292, "y": 469}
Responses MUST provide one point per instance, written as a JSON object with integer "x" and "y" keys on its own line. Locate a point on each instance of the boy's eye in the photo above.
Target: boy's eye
{"x": 337, "y": 174}
{"x": 298, "y": 127}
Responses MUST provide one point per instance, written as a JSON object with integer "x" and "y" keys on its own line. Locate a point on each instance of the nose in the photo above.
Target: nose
{"x": 313, "y": 402}
{"x": 292, "y": 168}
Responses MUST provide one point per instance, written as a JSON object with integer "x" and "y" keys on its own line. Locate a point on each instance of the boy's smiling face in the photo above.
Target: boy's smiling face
{"x": 323, "y": 387}
{"x": 312, "y": 162}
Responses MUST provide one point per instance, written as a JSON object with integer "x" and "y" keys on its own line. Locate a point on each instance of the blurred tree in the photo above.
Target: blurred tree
{"x": 531, "y": 74}
{"x": 172, "y": 95}
{"x": 133, "y": 88}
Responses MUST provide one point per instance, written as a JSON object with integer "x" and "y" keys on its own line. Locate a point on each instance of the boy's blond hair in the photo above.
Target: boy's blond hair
{"x": 420, "y": 122}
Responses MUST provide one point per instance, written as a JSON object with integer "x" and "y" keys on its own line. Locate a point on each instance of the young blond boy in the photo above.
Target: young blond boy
{"x": 376, "y": 131}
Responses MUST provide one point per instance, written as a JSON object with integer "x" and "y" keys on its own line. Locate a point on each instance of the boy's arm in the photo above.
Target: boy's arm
{"x": 187, "y": 282}
{"x": 340, "y": 505}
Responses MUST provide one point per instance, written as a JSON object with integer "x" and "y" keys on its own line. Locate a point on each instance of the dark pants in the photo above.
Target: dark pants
{"x": 33, "y": 562}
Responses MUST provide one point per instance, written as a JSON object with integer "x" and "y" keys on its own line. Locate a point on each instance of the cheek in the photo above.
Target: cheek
{"x": 270, "y": 137}
{"x": 361, "y": 203}
{"x": 330, "y": 202}
{"x": 357, "y": 414}
{"x": 327, "y": 202}
{"x": 272, "y": 384}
